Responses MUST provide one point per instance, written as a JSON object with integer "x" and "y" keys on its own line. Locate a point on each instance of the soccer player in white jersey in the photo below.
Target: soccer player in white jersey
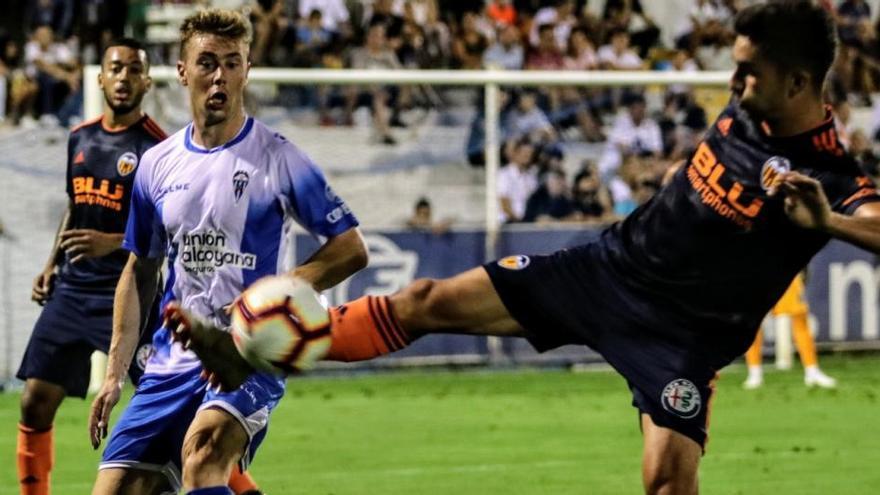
{"x": 216, "y": 199}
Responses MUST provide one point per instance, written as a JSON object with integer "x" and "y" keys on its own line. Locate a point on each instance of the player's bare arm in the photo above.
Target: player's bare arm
{"x": 861, "y": 229}
{"x": 136, "y": 288}
{"x": 339, "y": 258}
{"x": 42, "y": 287}
{"x": 807, "y": 205}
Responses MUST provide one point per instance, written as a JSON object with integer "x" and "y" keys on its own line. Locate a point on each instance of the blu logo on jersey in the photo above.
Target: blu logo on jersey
{"x": 239, "y": 182}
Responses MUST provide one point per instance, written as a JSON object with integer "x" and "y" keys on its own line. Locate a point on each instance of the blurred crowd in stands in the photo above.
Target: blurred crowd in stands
{"x": 45, "y": 43}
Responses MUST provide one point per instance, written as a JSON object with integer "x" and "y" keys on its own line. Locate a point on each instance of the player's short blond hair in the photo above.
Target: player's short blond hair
{"x": 225, "y": 23}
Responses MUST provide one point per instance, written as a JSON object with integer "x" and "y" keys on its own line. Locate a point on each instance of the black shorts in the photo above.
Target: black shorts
{"x": 72, "y": 325}
{"x": 571, "y": 297}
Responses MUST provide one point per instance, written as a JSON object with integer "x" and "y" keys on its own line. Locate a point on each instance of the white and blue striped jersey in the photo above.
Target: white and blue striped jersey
{"x": 222, "y": 217}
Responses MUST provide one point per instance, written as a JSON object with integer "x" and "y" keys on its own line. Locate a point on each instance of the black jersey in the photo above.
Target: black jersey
{"x": 101, "y": 166}
{"x": 711, "y": 251}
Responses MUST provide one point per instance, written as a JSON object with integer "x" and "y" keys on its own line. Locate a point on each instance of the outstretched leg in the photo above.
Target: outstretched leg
{"x": 373, "y": 326}
{"x": 466, "y": 303}
{"x": 370, "y": 326}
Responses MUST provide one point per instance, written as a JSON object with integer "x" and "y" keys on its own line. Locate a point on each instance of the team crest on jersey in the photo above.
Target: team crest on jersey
{"x": 143, "y": 355}
{"x": 239, "y": 183}
{"x": 772, "y": 169}
{"x": 515, "y": 262}
{"x": 126, "y": 163}
{"x": 682, "y": 398}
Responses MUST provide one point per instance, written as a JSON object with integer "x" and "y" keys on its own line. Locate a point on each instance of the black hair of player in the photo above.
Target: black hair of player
{"x": 792, "y": 35}
{"x": 129, "y": 43}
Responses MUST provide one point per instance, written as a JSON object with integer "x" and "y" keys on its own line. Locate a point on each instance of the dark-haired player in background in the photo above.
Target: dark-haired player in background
{"x": 675, "y": 292}
{"x": 86, "y": 260}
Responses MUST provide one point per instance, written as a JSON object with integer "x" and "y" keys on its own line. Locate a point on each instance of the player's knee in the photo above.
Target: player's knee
{"x": 665, "y": 479}
{"x": 417, "y": 303}
{"x": 38, "y": 407}
{"x": 420, "y": 290}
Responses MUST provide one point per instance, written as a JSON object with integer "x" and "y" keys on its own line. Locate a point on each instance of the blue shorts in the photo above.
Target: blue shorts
{"x": 571, "y": 297}
{"x": 73, "y": 324}
{"x": 150, "y": 432}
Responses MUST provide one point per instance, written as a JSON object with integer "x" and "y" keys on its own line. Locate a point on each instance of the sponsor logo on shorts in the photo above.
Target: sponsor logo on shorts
{"x": 515, "y": 262}
{"x": 126, "y": 163}
{"x": 682, "y": 398}
{"x": 143, "y": 355}
{"x": 772, "y": 169}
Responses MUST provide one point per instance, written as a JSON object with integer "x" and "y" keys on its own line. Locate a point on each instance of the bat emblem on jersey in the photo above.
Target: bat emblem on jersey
{"x": 772, "y": 169}
{"x": 239, "y": 182}
{"x": 126, "y": 163}
{"x": 516, "y": 262}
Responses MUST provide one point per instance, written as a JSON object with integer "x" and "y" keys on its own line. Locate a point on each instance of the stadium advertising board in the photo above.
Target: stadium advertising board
{"x": 843, "y": 283}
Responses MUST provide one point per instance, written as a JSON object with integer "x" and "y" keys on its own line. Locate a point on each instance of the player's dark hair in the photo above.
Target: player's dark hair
{"x": 129, "y": 43}
{"x": 792, "y": 34}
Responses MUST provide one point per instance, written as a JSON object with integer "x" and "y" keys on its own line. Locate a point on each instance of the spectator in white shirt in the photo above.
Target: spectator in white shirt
{"x": 580, "y": 54}
{"x": 516, "y": 182}
{"x": 53, "y": 66}
{"x": 528, "y": 120}
{"x": 334, "y": 14}
{"x": 375, "y": 54}
{"x": 507, "y": 51}
{"x": 617, "y": 54}
{"x": 633, "y": 133}
{"x": 561, "y": 16}
{"x": 707, "y": 22}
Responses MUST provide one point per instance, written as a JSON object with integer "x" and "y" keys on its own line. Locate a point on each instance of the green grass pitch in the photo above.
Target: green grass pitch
{"x": 528, "y": 432}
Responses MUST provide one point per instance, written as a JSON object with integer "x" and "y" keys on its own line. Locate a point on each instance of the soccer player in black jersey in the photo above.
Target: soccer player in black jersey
{"x": 673, "y": 293}
{"x": 76, "y": 287}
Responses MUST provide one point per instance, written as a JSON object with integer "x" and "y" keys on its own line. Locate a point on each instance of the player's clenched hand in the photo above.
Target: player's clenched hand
{"x": 805, "y": 202}
{"x": 88, "y": 243}
{"x": 42, "y": 287}
{"x": 99, "y": 416}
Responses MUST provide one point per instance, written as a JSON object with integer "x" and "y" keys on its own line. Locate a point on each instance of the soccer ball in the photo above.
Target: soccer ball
{"x": 281, "y": 324}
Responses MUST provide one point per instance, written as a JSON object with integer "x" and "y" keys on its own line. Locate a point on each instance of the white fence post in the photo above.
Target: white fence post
{"x": 493, "y": 145}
